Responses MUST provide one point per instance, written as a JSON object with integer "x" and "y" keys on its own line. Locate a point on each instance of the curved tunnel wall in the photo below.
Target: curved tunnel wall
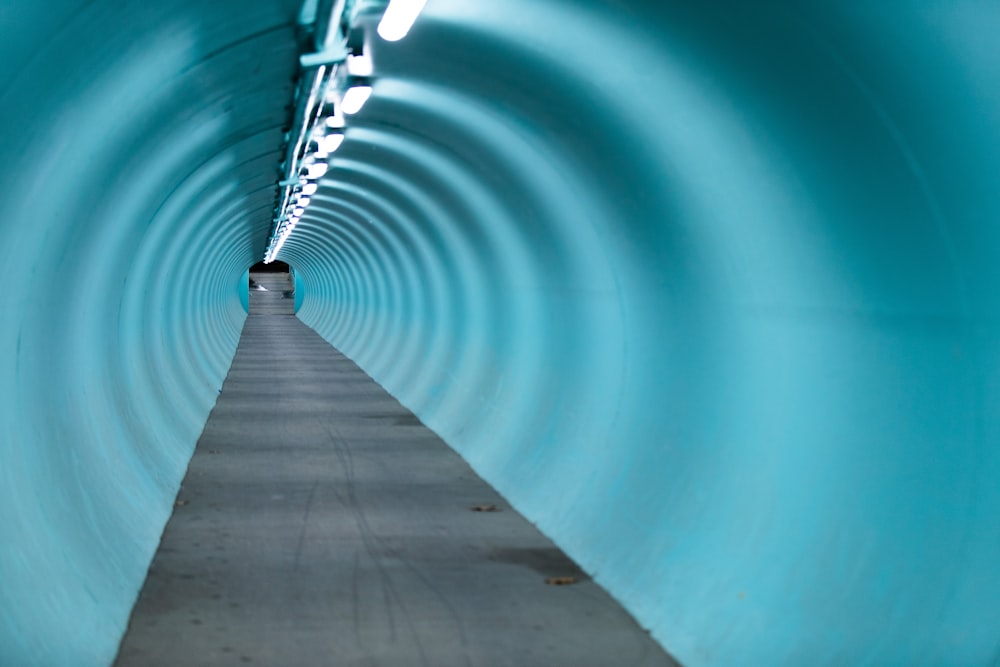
{"x": 707, "y": 292}
{"x": 141, "y": 144}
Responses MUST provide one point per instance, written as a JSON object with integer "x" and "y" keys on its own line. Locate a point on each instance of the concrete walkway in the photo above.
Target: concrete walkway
{"x": 320, "y": 523}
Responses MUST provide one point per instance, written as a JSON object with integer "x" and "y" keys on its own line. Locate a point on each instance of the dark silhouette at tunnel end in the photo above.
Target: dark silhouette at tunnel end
{"x": 273, "y": 267}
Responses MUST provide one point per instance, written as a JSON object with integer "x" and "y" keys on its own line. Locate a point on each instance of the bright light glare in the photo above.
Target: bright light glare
{"x": 398, "y": 19}
{"x": 360, "y": 65}
{"x": 336, "y": 120}
{"x": 303, "y": 201}
{"x": 331, "y": 142}
{"x": 355, "y": 98}
{"x": 309, "y": 189}
{"x": 298, "y": 212}
{"x": 317, "y": 170}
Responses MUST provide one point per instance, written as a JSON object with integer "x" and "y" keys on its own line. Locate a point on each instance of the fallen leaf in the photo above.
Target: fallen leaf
{"x": 560, "y": 581}
{"x": 484, "y": 508}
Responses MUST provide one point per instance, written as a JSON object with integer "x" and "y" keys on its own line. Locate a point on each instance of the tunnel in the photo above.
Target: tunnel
{"x": 702, "y": 289}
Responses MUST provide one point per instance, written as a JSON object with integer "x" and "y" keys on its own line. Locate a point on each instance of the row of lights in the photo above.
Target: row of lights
{"x": 345, "y": 92}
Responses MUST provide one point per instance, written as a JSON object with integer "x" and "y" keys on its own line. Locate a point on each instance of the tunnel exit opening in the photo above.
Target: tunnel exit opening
{"x": 272, "y": 289}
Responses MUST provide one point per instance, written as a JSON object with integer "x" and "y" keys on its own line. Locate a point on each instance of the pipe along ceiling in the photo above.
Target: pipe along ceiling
{"x": 703, "y": 288}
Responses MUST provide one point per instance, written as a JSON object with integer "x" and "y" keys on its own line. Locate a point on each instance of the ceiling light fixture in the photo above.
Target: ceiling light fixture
{"x": 331, "y": 142}
{"x": 398, "y": 19}
{"x": 317, "y": 170}
{"x": 337, "y": 82}
{"x": 336, "y": 120}
{"x": 354, "y": 99}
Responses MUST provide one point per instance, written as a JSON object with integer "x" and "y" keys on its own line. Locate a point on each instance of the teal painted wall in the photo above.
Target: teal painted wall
{"x": 708, "y": 291}
{"x": 705, "y": 289}
{"x": 138, "y": 161}
{"x": 244, "y": 290}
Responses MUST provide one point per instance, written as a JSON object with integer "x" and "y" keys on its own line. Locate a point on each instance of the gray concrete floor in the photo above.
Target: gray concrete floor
{"x": 320, "y": 523}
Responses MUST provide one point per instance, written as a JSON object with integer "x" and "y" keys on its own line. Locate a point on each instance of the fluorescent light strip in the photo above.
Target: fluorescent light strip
{"x": 336, "y": 120}
{"x": 360, "y": 65}
{"x": 398, "y": 19}
{"x": 317, "y": 170}
{"x": 331, "y": 142}
{"x": 354, "y": 99}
